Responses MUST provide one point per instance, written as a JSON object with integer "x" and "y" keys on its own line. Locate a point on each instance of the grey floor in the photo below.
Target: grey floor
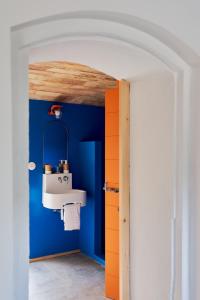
{"x": 66, "y": 278}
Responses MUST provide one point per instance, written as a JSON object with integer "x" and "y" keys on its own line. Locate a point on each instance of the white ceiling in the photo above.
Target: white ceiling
{"x": 101, "y": 55}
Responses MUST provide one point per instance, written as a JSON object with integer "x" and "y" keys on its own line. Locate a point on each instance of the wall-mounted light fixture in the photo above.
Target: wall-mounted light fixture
{"x": 55, "y": 110}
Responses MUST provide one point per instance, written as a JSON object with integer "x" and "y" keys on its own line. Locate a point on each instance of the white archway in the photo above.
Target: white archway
{"x": 123, "y": 30}
{"x": 136, "y": 62}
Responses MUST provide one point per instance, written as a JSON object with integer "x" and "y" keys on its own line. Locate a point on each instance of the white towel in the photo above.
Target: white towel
{"x": 72, "y": 216}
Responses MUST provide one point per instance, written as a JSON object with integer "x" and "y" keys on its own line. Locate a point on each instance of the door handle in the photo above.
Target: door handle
{"x": 110, "y": 189}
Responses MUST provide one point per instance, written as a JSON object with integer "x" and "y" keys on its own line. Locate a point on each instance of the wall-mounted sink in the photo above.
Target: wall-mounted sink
{"x": 57, "y": 191}
{"x": 57, "y": 201}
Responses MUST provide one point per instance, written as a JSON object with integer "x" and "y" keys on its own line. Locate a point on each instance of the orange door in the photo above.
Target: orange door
{"x": 112, "y": 198}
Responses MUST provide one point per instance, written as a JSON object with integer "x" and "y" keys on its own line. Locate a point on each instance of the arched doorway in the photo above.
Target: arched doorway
{"x": 80, "y": 26}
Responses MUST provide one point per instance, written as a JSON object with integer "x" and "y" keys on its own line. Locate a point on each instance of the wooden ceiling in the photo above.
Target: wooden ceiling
{"x": 68, "y": 82}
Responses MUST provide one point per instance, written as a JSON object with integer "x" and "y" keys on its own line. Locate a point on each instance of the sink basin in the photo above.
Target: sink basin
{"x": 58, "y": 191}
{"x": 57, "y": 201}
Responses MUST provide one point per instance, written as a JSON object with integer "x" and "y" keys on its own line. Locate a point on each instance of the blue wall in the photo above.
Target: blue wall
{"x": 84, "y": 123}
{"x": 92, "y": 241}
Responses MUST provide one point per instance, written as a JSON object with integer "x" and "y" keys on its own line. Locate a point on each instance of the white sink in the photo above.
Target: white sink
{"x": 57, "y": 191}
{"x": 57, "y": 201}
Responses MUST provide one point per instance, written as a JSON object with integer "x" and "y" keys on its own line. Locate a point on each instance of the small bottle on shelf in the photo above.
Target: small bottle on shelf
{"x": 60, "y": 166}
{"x": 47, "y": 169}
{"x": 66, "y": 167}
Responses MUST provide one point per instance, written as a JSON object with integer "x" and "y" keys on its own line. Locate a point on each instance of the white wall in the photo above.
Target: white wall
{"x": 194, "y": 183}
{"x": 152, "y": 185}
{"x": 136, "y": 62}
{"x": 176, "y": 17}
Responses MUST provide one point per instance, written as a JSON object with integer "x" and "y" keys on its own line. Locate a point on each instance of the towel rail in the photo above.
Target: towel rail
{"x": 71, "y": 203}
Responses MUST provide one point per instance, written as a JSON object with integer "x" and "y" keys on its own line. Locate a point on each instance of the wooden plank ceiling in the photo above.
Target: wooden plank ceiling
{"x": 68, "y": 82}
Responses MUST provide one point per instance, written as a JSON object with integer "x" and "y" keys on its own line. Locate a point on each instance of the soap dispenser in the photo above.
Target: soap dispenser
{"x": 60, "y": 166}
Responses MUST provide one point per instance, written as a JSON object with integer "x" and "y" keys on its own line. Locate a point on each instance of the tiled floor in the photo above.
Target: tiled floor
{"x": 66, "y": 278}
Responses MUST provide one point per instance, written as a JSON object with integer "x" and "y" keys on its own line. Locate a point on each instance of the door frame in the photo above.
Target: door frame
{"x": 124, "y": 189}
